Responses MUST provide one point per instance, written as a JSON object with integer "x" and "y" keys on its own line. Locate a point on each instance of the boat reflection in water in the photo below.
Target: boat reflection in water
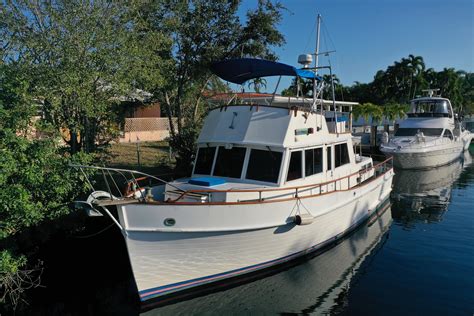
{"x": 319, "y": 285}
{"x": 425, "y": 194}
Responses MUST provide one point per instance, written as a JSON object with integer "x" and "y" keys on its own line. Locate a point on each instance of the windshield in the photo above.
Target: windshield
{"x": 229, "y": 162}
{"x": 205, "y": 158}
{"x": 413, "y": 131}
{"x": 436, "y": 108}
{"x": 264, "y": 165}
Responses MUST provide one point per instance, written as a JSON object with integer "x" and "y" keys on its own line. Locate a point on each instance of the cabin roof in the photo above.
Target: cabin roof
{"x": 265, "y": 126}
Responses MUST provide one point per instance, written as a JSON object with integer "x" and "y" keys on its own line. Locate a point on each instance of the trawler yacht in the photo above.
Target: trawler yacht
{"x": 430, "y": 136}
{"x": 273, "y": 180}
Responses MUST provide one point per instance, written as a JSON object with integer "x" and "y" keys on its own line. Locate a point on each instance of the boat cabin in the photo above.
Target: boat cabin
{"x": 270, "y": 145}
{"x": 430, "y": 107}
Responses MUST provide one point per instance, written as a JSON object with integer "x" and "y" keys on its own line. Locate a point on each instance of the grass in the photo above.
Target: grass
{"x": 154, "y": 157}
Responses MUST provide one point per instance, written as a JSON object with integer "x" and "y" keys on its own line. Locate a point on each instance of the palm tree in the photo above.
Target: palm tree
{"x": 392, "y": 112}
{"x": 258, "y": 83}
{"x": 368, "y": 111}
{"x": 416, "y": 65}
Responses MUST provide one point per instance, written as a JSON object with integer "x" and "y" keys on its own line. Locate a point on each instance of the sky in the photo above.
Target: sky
{"x": 369, "y": 35}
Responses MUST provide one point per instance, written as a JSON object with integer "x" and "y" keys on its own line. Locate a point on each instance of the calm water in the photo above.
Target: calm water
{"x": 416, "y": 258}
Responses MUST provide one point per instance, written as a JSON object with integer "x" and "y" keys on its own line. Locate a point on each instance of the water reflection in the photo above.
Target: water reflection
{"x": 425, "y": 194}
{"x": 319, "y": 285}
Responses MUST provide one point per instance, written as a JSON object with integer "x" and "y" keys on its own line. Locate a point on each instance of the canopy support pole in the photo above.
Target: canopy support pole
{"x": 333, "y": 99}
{"x": 274, "y": 92}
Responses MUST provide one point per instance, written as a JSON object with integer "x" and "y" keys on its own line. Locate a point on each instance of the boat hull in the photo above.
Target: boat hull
{"x": 166, "y": 262}
{"x": 424, "y": 158}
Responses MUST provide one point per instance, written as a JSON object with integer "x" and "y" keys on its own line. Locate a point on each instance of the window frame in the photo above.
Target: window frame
{"x": 217, "y": 155}
{"x": 348, "y": 155}
{"x": 247, "y": 163}
{"x": 329, "y": 157}
{"x": 287, "y": 169}
{"x": 213, "y": 160}
{"x": 304, "y": 161}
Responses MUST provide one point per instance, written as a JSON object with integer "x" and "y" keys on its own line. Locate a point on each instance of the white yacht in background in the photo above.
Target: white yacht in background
{"x": 430, "y": 136}
{"x": 273, "y": 180}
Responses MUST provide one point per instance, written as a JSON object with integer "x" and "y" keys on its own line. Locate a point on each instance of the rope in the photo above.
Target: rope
{"x": 95, "y": 234}
{"x": 301, "y": 203}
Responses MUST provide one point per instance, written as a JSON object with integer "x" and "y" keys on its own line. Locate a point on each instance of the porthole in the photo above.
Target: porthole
{"x": 169, "y": 222}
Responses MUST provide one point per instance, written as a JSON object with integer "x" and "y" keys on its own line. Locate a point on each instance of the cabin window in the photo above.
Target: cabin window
{"x": 205, "y": 158}
{"x": 264, "y": 165}
{"x": 229, "y": 162}
{"x": 413, "y": 131}
{"x": 448, "y": 134}
{"x": 328, "y": 157}
{"x": 430, "y": 108}
{"x": 294, "y": 169}
{"x": 341, "y": 154}
{"x": 313, "y": 161}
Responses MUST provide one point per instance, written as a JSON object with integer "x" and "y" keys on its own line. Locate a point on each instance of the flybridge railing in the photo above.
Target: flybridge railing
{"x": 296, "y": 191}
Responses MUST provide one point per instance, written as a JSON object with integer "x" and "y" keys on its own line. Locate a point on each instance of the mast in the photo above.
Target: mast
{"x": 316, "y": 53}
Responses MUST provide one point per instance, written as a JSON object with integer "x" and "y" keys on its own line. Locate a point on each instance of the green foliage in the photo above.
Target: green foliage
{"x": 16, "y": 105}
{"x": 16, "y": 278}
{"x": 204, "y": 32}
{"x": 405, "y": 80}
{"x": 257, "y": 84}
{"x": 9, "y": 264}
{"x": 37, "y": 186}
{"x": 184, "y": 144}
{"x": 394, "y": 111}
{"x": 368, "y": 111}
{"x": 81, "y": 57}
{"x": 36, "y": 181}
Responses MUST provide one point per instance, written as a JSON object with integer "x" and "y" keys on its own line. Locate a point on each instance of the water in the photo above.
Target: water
{"x": 416, "y": 258}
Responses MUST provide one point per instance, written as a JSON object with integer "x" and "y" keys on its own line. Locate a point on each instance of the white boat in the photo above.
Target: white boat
{"x": 426, "y": 193}
{"x": 430, "y": 136}
{"x": 271, "y": 182}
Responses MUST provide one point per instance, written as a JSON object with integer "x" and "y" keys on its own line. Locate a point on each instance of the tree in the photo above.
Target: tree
{"x": 36, "y": 180}
{"x": 392, "y": 112}
{"x": 416, "y": 66}
{"x": 204, "y": 32}
{"x": 305, "y": 86}
{"x": 368, "y": 111}
{"x": 81, "y": 57}
{"x": 257, "y": 84}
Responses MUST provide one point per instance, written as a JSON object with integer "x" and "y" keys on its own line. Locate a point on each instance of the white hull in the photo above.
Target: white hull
{"x": 323, "y": 280}
{"x": 424, "y": 157}
{"x": 258, "y": 236}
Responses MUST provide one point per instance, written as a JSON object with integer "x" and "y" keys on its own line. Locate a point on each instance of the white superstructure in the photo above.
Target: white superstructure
{"x": 430, "y": 136}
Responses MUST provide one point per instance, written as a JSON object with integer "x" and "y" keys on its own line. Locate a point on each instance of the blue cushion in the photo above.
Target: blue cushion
{"x": 206, "y": 181}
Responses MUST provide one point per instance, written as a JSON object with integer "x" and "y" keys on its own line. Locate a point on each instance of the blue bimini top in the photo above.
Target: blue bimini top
{"x": 242, "y": 69}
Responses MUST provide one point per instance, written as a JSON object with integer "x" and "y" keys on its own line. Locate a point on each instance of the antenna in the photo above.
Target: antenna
{"x": 316, "y": 53}
{"x": 431, "y": 92}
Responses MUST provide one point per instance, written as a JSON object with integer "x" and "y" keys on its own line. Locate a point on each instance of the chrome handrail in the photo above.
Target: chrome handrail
{"x": 107, "y": 172}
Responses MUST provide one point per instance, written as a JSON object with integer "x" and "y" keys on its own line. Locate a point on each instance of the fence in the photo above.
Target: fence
{"x": 146, "y": 129}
